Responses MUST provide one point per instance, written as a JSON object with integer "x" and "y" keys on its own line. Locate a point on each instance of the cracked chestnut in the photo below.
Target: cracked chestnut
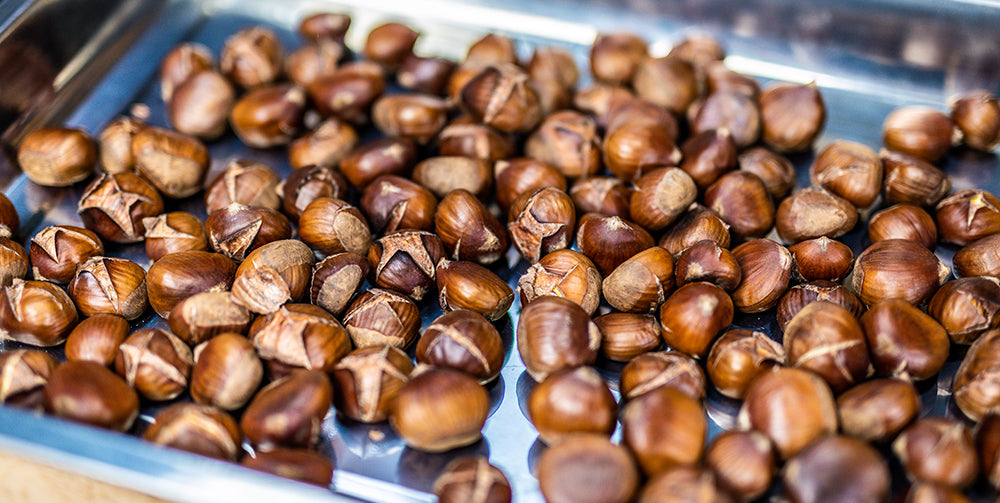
{"x": 463, "y": 340}
{"x": 57, "y": 250}
{"x": 155, "y": 362}
{"x": 367, "y": 381}
{"x": 109, "y": 285}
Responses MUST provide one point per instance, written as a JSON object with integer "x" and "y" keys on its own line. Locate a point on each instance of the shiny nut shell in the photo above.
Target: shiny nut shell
{"x": 87, "y": 392}
{"x": 288, "y": 412}
{"x": 178, "y": 276}
{"x": 272, "y": 275}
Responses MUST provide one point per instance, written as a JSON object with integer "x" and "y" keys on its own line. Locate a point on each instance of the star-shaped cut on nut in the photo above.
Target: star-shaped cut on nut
{"x": 482, "y": 477}
{"x": 108, "y": 197}
{"x": 97, "y": 268}
{"x": 410, "y": 243}
{"x": 528, "y": 233}
{"x": 368, "y": 370}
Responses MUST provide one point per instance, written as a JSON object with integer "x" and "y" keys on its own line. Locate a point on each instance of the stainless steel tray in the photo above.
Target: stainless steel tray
{"x": 94, "y": 59}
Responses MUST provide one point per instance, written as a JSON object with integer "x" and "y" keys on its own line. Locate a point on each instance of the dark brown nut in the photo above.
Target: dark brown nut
{"x": 922, "y": 492}
{"x": 461, "y": 76}
{"x": 850, "y": 170}
{"x": 327, "y": 145}
{"x": 382, "y": 317}
{"x": 468, "y": 230}
{"x": 245, "y": 182}
{"x": 440, "y": 409}
{"x": 155, "y": 362}
{"x": 767, "y": 268}
{"x": 918, "y": 131}
{"x": 109, "y": 285}
{"x": 492, "y": 49}
{"x": 57, "y": 249}
{"x": 668, "y": 81}
{"x": 600, "y": 100}
{"x": 202, "y": 316}
{"x": 500, "y": 97}
{"x": 627, "y": 335}
{"x": 463, "y": 340}
{"x": 389, "y": 44}
{"x": 610, "y": 241}
{"x": 821, "y": 258}
{"x": 614, "y": 57}
{"x": 793, "y": 115}
{"x": 314, "y": 61}
{"x": 200, "y": 105}
{"x": 405, "y": 261}
{"x": 300, "y": 335}
{"x": 569, "y": 141}
{"x": 563, "y": 273}
{"x": 828, "y": 340}
{"x": 555, "y": 334}
{"x": 236, "y": 230}
{"x": 980, "y": 258}
{"x": 742, "y": 201}
{"x": 23, "y": 375}
{"x": 967, "y": 307}
{"x": 792, "y": 406}
{"x": 706, "y": 261}
{"x": 472, "y": 478}
{"x": 173, "y": 232}
{"x": 444, "y": 174}
{"x": 392, "y": 155}
{"x": 227, "y": 371}
{"x": 288, "y": 412}
{"x": 810, "y": 213}
{"x": 57, "y": 157}
{"x": 650, "y": 371}
{"x": 332, "y": 226}
{"x": 97, "y": 339}
{"x": 897, "y": 268}
{"x": 460, "y": 138}
{"x": 775, "y": 170}
{"x": 367, "y": 381}
{"x": 180, "y": 64}
{"x": 425, "y": 74}
{"x": 743, "y": 463}
{"x": 200, "y": 429}
{"x": 394, "y": 204}
{"x": 10, "y": 222}
{"x": 904, "y": 341}
{"x": 664, "y": 428}
{"x": 466, "y": 285}
{"x": 252, "y": 57}
{"x": 301, "y": 465}
{"x": 35, "y": 312}
{"x": 324, "y": 26}
{"x": 708, "y": 155}
{"x": 178, "y": 276}
{"x": 268, "y": 116}
{"x": 733, "y": 111}
{"x": 348, "y": 94}
{"x": 87, "y": 392}
{"x": 800, "y": 296}
{"x": 272, "y": 275}
{"x": 601, "y": 194}
{"x": 912, "y": 180}
{"x": 903, "y": 221}
{"x": 13, "y": 261}
{"x": 737, "y": 357}
{"x": 416, "y": 116}
{"x": 968, "y": 215}
{"x": 694, "y": 316}
{"x": 975, "y": 388}
{"x": 587, "y": 468}
{"x": 336, "y": 279}
{"x": 524, "y": 175}
{"x": 572, "y": 401}
{"x": 633, "y": 149}
{"x": 876, "y": 410}
{"x": 308, "y": 183}
{"x": 661, "y": 196}
{"x": 541, "y": 222}
{"x": 977, "y": 115}
{"x": 837, "y": 469}
{"x": 988, "y": 446}
{"x": 938, "y": 450}
{"x": 173, "y": 162}
{"x": 696, "y": 223}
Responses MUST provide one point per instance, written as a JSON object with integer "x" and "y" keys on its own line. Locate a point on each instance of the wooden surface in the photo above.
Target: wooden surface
{"x": 27, "y": 481}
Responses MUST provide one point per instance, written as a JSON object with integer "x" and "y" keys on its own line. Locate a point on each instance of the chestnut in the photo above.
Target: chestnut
{"x": 314, "y": 61}
{"x": 979, "y": 258}
{"x": 57, "y": 157}
{"x": 923, "y": 492}
{"x": 601, "y": 194}
{"x": 615, "y": 56}
{"x": 226, "y": 371}
{"x": 175, "y": 163}
{"x": 444, "y": 174}
{"x": 774, "y": 169}
{"x": 609, "y": 241}
{"x": 555, "y": 334}
{"x": 425, "y": 74}
{"x": 850, "y": 170}
{"x": 696, "y": 223}
{"x": 246, "y": 182}
{"x": 109, "y": 285}
{"x": 718, "y": 77}
{"x": 524, "y": 175}
{"x": 367, "y": 381}
{"x": 738, "y": 356}
{"x": 903, "y": 221}
{"x": 13, "y": 261}
{"x": 302, "y": 465}
{"x": 968, "y": 215}
{"x": 743, "y": 463}
{"x": 938, "y": 450}
{"x": 393, "y": 203}
{"x": 155, "y": 362}
{"x": 236, "y": 230}
{"x": 472, "y": 478}
{"x": 694, "y": 316}
{"x": 766, "y": 268}
{"x": 336, "y": 279}
{"x": 600, "y": 100}
{"x": 732, "y": 110}
{"x": 974, "y": 387}
{"x": 541, "y": 222}
{"x": 405, "y": 261}
{"x": 115, "y": 143}
{"x": 57, "y": 249}
{"x": 463, "y": 340}
{"x": 10, "y": 222}
{"x": 904, "y": 341}
{"x": 492, "y": 49}
{"x": 792, "y": 116}
{"x": 664, "y": 428}
{"x": 97, "y": 339}
{"x": 468, "y": 230}
{"x": 173, "y": 232}
{"x": 918, "y": 131}
{"x": 183, "y": 61}
{"x": 332, "y": 226}
{"x": 308, "y": 183}
{"x": 828, "y": 340}
{"x": 876, "y": 410}
{"x": 416, "y": 116}
{"x": 324, "y": 26}
{"x": 466, "y": 285}
{"x": 462, "y": 138}
{"x": 252, "y": 57}
{"x": 572, "y": 401}
{"x": 87, "y": 392}
{"x": 811, "y": 213}
{"x": 288, "y": 412}
{"x": 114, "y": 206}
{"x": 382, "y": 317}
{"x": 500, "y": 96}
{"x": 202, "y": 316}
{"x": 799, "y": 296}
{"x": 912, "y": 180}
{"x": 587, "y": 468}
{"x": 23, "y": 375}
{"x": 327, "y": 145}
{"x": 180, "y": 275}
{"x": 660, "y": 197}
{"x": 669, "y": 81}
{"x": 967, "y": 307}
{"x": 708, "y": 155}
{"x": 35, "y": 312}
{"x": 837, "y": 469}
{"x": 977, "y": 115}
{"x": 269, "y": 116}
{"x": 821, "y": 259}
{"x": 440, "y": 409}
{"x": 684, "y": 483}
{"x": 300, "y": 335}
{"x": 569, "y": 141}
{"x": 390, "y": 43}
{"x": 349, "y": 92}
{"x": 627, "y": 335}
{"x": 272, "y": 275}
{"x": 650, "y": 371}
{"x": 634, "y": 148}
{"x": 707, "y": 261}
{"x": 555, "y": 64}
{"x": 200, "y": 429}
{"x": 741, "y": 199}
{"x": 391, "y": 155}
{"x": 987, "y": 446}
{"x": 566, "y": 274}
{"x": 200, "y": 105}
{"x": 897, "y": 268}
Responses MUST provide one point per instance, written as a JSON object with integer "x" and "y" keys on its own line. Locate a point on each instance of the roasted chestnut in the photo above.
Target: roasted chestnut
{"x": 114, "y": 206}
{"x": 664, "y": 428}
{"x": 367, "y": 381}
{"x": 109, "y": 285}
{"x": 738, "y": 356}
{"x": 202, "y": 316}
{"x": 466, "y": 285}
{"x": 178, "y": 276}
{"x": 35, "y": 312}
{"x": 246, "y": 182}
{"x": 904, "y": 341}
{"x": 918, "y": 131}
{"x": 463, "y": 340}
{"x": 650, "y": 371}
{"x": 57, "y": 157}
{"x": 562, "y": 273}
{"x": 272, "y": 275}
{"x": 300, "y": 335}
{"x": 382, "y": 317}
{"x": 897, "y": 268}
{"x": 57, "y": 250}
{"x": 555, "y": 334}
{"x": 288, "y": 412}
{"x": 828, "y": 340}
{"x": 440, "y": 409}
{"x": 587, "y": 468}
{"x": 694, "y": 316}
{"x": 200, "y": 429}
{"x": 175, "y": 163}
{"x": 87, "y": 392}
{"x": 155, "y": 362}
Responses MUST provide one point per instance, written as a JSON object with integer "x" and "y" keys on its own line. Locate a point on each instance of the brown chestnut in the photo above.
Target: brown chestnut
{"x": 390, "y": 43}
{"x": 393, "y": 203}
{"x": 897, "y": 268}
{"x": 10, "y": 222}
{"x": 912, "y": 180}
{"x": 987, "y": 446}
{"x": 904, "y": 341}
{"x": 23, "y": 375}
{"x": 968, "y": 215}
{"x": 440, "y": 409}
{"x": 524, "y": 175}
{"x": 974, "y": 387}
{"x": 226, "y": 371}
{"x": 382, "y": 317}
{"x": 269, "y": 116}
{"x": 811, "y": 213}
{"x": 405, "y": 261}
{"x": 977, "y": 115}
{"x": 634, "y": 148}
{"x": 555, "y": 334}
{"x": 775, "y": 170}
{"x": 200, "y": 105}
{"x": 327, "y": 145}
{"x": 236, "y": 230}
{"x": 314, "y": 61}
{"x": 336, "y": 279}
{"x": 627, "y": 335}
{"x": 332, "y": 226}
{"x": 741, "y": 199}
{"x": 601, "y": 194}
{"x": 200, "y": 429}
{"x": 837, "y": 469}
{"x": 178, "y": 276}
{"x": 35, "y": 312}
{"x": 57, "y": 250}
{"x": 492, "y": 49}
{"x": 708, "y": 155}
{"x": 367, "y": 381}
{"x": 472, "y": 478}
{"x": 155, "y": 362}
{"x": 918, "y": 131}
{"x": 707, "y": 261}
{"x": 650, "y": 371}
{"x": 732, "y": 110}
{"x": 569, "y": 141}
{"x": 460, "y": 138}
{"x": 308, "y": 183}
{"x": 566, "y": 274}
{"x": 850, "y": 170}
{"x": 183, "y": 61}
{"x": 466, "y": 285}
{"x": 173, "y": 232}
{"x": 738, "y": 356}
{"x": 979, "y": 258}
{"x": 175, "y": 163}
{"x": 660, "y": 197}
{"x": 445, "y": 174}
{"x": 695, "y": 224}
{"x": 97, "y": 339}
{"x": 252, "y": 57}
{"x": 416, "y": 116}
{"x": 743, "y": 463}
{"x": 572, "y": 401}
{"x": 799, "y": 296}
{"x": 87, "y": 392}
{"x": 349, "y": 92}
{"x": 828, "y": 340}
{"x": 615, "y": 56}
{"x": 13, "y": 261}
{"x": 541, "y": 222}
{"x": 668, "y": 81}
{"x": 463, "y": 340}
{"x": 288, "y": 412}
{"x": 876, "y": 410}
{"x": 792, "y": 115}
{"x": 246, "y": 182}
{"x": 109, "y": 285}
{"x": 272, "y": 275}
{"x": 609, "y": 241}
{"x": 938, "y": 450}
{"x": 57, "y": 157}
{"x": 302, "y": 465}
{"x": 114, "y": 206}
{"x": 468, "y": 230}
{"x": 664, "y": 428}
{"x": 766, "y": 267}
{"x": 587, "y": 468}
{"x": 501, "y": 97}
{"x": 202, "y": 316}
{"x": 425, "y": 74}
{"x": 694, "y": 316}
{"x": 300, "y": 335}
{"x": 392, "y": 155}
{"x": 821, "y": 258}
{"x": 903, "y": 221}
{"x": 967, "y": 307}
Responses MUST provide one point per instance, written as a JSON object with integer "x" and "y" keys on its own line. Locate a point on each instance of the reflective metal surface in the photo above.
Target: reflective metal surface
{"x": 868, "y": 58}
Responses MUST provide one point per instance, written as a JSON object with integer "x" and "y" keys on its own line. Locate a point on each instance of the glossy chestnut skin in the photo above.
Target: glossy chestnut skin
{"x": 390, "y": 43}
{"x": 314, "y": 61}
{"x": 918, "y": 131}
{"x": 896, "y": 268}
{"x": 587, "y": 468}
{"x": 268, "y": 116}
{"x": 743, "y": 463}
{"x": 237, "y": 230}
{"x": 524, "y": 175}
{"x": 967, "y": 307}
{"x": 23, "y": 375}
{"x": 707, "y": 261}
{"x": 694, "y": 316}
{"x": 202, "y": 316}
{"x": 968, "y": 215}
{"x": 799, "y": 296}
{"x": 738, "y": 356}
{"x": 326, "y": 145}
{"x": 732, "y": 110}
{"x": 300, "y": 335}
{"x": 987, "y": 446}
{"x": 252, "y": 57}
{"x": 272, "y": 275}
{"x": 391, "y": 155}
{"x": 183, "y": 61}
{"x": 57, "y": 157}
{"x": 461, "y": 137}
{"x": 775, "y": 170}
{"x": 828, "y": 340}
{"x": 288, "y": 412}
{"x": 226, "y": 372}
{"x": 903, "y": 221}
{"x": 500, "y": 97}
{"x": 425, "y": 74}
{"x": 569, "y": 141}
{"x": 466, "y": 285}
{"x": 812, "y": 213}
{"x": 10, "y": 222}
{"x": 382, "y": 317}
{"x": 200, "y": 106}
{"x": 115, "y": 144}
{"x": 463, "y": 340}
{"x": 100, "y": 207}
{"x": 668, "y": 81}
{"x": 336, "y": 279}
{"x": 97, "y": 339}
{"x": 155, "y": 362}
{"x": 56, "y": 251}
{"x": 741, "y": 199}
{"x": 664, "y": 428}
{"x": 444, "y": 174}
{"x": 393, "y": 203}
{"x": 660, "y": 197}
{"x": 615, "y": 56}
{"x": 876, "y": 410}
{"x": 405, "y": 261}
{"x": 367, "y": 381}
{"x": 308, "y": 183}
{"x": 650, "y": 371}
{"x": 87, "y": 392}
{"x": 850, "y": 170}
{"x": 178, "y": 276}
{"x": 332, "y": 226}
{"x": 13, "y": 261}
{"x": 979, "y": 258}
{"x": 610, "y": 241}
{"x": 837, "y": 469}
{"x": 601, "y": 194}
{"x": 938, "y": 450}
{"x": 766, "y": 267}
{"x": 632, "y": 149}
{"x": 708, "y": 155}
{"x": 416, "y": 116}
{"x": 492, "y": 48}
{"x": 912, "y": 180}
{"x": 173, "y": 232}
{"x": 472, "y": 478}
{"x": 35, "y": 312}
{"x": 977, "y": 115}
{"x": 555, "y": 334}
{"x": 627, "y": 335}
{"x": 440, "y": 409}
{"x": 349, "y": 92}
{"x": 696, "y": 223}
{"x": 792, "y": 115}
{"x": 641, "y": 283}
{"x": 572, "y": 401}
{"x": 468, "y": 230}
{"x": 904, "y": 341}
{"x": 821, "y": 259}
{"x": 246, "y": 182}
{"x": 974, "y": 389}
{"x": 175, "y": 163}
{"x": 562, "y": 273}
{"x": 303, "y": 465}
{"x": 541, "y": 222}
{"x": 200, "y": 429}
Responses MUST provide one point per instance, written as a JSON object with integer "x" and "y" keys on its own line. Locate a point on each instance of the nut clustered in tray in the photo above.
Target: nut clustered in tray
{"x": 653, "y": 206}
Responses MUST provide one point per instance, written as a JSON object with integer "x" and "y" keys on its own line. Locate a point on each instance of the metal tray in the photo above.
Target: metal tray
{"x": 84, "y": 63}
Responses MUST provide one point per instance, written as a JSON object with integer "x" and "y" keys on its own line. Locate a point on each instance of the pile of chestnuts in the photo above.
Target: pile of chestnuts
{"x": 652, "y": 208}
